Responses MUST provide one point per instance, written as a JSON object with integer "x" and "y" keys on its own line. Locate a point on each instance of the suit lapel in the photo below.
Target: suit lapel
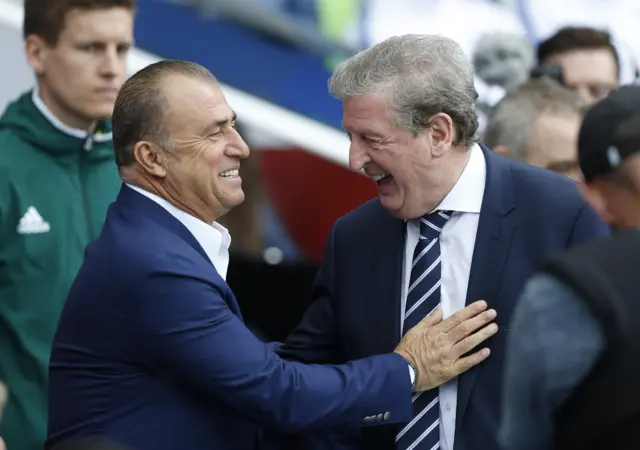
{"x": 385, "y": 281}
{"x": 147, "y": 207}
{"x": 493, "y": 239}
{"x": 135, "y": 201}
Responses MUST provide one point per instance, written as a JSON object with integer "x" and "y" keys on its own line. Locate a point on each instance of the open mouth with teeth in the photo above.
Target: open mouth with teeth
{"x": 381, "y": 178}
{"x": 233, "y": 173}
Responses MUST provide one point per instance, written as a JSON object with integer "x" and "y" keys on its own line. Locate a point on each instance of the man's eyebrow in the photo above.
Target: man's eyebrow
{"x": 367, "y": 134}
{"x": 220, "y": 122}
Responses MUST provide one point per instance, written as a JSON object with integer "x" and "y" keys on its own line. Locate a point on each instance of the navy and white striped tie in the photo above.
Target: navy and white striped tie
{"x": 423, "y": 297}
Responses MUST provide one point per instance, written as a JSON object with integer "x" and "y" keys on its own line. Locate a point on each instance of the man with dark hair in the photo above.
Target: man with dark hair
{"x": 587, "y": 58}
{"x": 151, "y": 350}
{"x": 57, "y": 178}
{"x": 142, "y": 109}
{"x": 572, "y": 378}
{"x": 538, "y": 123}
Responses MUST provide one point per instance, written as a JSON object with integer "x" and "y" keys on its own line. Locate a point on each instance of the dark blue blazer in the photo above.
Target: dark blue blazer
{"x": 527, "y": 214}
{"x": 151, "y": 352}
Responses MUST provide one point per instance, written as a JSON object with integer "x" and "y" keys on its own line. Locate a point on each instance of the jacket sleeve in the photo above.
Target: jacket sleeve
{"x": 316, "y": 338}
{"x": 188, "y": 332}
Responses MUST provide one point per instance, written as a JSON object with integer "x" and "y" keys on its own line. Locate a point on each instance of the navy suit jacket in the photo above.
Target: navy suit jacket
{"x": 527, "y": 213}
{"x": 151, "y": 352}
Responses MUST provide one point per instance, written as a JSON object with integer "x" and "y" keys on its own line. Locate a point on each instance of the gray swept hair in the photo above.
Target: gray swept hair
{"x": 426, "y": 75}
{"x": 511, "y": 121}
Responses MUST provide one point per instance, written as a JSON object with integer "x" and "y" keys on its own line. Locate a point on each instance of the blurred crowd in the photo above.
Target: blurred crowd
{"x": 535, "y": 81}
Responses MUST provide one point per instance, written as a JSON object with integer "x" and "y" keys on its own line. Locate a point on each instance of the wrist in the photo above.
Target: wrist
{"x": 413, "y": 369}
{"x": 414, "y": 375}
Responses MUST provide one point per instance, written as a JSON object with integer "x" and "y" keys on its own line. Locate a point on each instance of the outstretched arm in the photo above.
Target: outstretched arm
{"x": 189, "y": 332}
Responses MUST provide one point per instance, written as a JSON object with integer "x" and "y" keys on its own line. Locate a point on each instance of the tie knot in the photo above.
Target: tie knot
{"x": 431, "y": 224}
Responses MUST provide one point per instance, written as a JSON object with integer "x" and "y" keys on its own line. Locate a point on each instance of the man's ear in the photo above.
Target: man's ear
{"x": 442, "y": 133}
{"x": 36, "y": 51}
{"x": 502, "y": 150}
{"x": 150, "y": 159}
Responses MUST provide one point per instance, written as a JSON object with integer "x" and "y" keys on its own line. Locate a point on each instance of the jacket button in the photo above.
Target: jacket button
{"x": 386, "y": 415}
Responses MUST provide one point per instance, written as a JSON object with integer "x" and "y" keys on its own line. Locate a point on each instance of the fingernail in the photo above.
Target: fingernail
{"x": 491, "y": 313}
{"x": 492, "y": 328}
{"x": 482, "y": 304}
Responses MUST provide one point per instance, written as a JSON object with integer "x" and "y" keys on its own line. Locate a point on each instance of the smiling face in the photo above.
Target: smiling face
{"x": 199, "y": 174}
{"x": 202, "y": 127}
{"x": 413, "y": 172}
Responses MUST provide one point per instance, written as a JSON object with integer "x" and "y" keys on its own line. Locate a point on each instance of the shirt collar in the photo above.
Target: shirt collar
{"x": 66, "y": 129}
{"x": 214, "y": 238}
{"x": 466, "y": 195}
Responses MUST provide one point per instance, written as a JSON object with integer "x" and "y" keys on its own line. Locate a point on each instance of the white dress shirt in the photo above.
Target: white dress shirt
{"x": 213, "y": 238}
{"x": 457, "y": 241}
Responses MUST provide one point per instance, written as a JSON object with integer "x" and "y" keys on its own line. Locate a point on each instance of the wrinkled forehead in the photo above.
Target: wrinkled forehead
{"x": 369, "y": 113}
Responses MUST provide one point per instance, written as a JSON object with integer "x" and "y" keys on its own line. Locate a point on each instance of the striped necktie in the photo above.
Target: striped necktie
{"x": 423, "y": 297}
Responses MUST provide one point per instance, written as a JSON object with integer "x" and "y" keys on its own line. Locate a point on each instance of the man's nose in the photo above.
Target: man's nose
{"x": 112, "y": 63}
{"x": 238, "y": 148}
{"x": 357, "y": 157}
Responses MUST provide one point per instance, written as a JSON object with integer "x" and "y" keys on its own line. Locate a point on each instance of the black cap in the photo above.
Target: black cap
{"x": 610, "y": 132}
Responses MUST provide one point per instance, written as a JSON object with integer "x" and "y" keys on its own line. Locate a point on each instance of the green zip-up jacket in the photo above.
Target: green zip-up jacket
{"x": 55, "y": 187}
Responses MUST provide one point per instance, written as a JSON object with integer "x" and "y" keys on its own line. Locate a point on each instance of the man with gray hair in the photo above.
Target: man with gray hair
{"x": 538, "y": 123}
{"x": 453, "y": 223}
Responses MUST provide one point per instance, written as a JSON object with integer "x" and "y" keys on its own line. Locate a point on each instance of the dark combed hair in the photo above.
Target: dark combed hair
{"x": 140, "y": 109}
{"x": 570, "y": 39}
{"x": 46, "y": 18}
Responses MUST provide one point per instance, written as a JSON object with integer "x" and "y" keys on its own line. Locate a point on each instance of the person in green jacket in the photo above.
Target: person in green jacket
{"x": 57, "y": 178}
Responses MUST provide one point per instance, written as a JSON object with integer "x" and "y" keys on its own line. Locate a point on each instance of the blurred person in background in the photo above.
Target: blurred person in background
{"x": 573, "y": 364}
{"x": 57, "y": 177}
{"x": 501, "y": 62}
{"x": 454, "y": 222}
{"x": 503, "y": 59}
{"x": 538, "y": 123}
{"x": 587, "y": 58}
